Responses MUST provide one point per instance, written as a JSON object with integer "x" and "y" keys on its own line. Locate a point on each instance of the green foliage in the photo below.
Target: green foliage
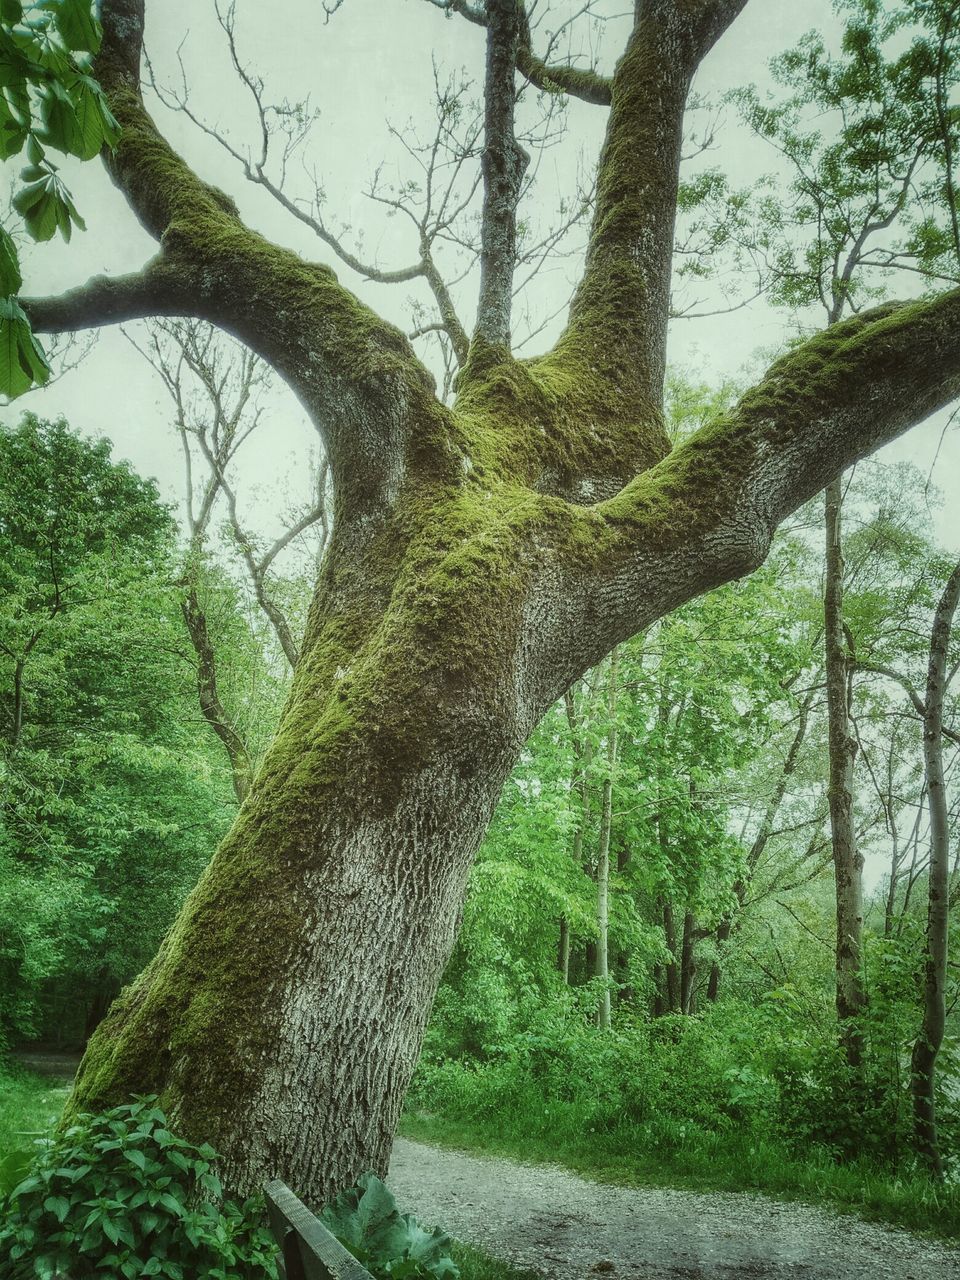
{"x": 869, "y": 134}
{"x": 49, "y": 101}
{"x": 365, "y": 1220}
{"x": 109, "y": 801}
{"x": 120, "y": 1194}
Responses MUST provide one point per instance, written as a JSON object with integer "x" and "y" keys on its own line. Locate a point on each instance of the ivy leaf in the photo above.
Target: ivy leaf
{"x": 22, "y": 362}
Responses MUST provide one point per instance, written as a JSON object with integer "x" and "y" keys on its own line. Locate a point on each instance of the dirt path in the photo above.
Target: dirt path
{"x": 565, "y": 1228}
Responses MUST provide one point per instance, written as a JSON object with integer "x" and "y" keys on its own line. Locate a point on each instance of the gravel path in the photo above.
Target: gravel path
{"x": 566, "y": 1228}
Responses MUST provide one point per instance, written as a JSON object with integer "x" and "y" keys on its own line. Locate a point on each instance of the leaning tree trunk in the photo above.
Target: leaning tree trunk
{"x": 484, "y": 556}
{"x": 927, "y": 1047}
{"x": 847, "y": 858}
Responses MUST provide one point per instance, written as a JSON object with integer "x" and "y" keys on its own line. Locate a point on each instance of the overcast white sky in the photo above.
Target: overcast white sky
{"x": 369, "y": 67}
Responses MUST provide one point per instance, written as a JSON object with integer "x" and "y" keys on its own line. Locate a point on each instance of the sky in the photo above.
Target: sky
{"x": 367, "y": 71}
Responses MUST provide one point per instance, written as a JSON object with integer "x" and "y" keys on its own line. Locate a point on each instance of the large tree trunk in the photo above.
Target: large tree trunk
{"x": 483, "y": 558}
{"x": 284, "y": 1014}
{"x": 847, "y": 858}
{"x": 927, "y": 1046}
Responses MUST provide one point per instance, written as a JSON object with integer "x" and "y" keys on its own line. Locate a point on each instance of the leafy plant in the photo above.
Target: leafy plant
{"x": 118, "y": 1194}
{"x": 366, "y": 1220}
{"x": 48, "y": 101}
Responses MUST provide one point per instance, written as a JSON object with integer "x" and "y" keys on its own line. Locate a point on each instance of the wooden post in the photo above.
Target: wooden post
{"x": 308, "y": 1250}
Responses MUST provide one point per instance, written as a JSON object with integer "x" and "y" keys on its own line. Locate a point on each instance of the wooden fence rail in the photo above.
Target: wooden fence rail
{"x": 307, "y": 1249}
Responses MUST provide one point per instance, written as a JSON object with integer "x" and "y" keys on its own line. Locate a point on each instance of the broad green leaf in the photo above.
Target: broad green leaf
{"x": 76, "y": 24}
{"x": 22, "y": 362}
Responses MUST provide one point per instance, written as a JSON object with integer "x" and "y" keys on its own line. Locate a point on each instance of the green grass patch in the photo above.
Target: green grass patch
{"x": 638, "y": 1155}
{"x": 475, "y": 1265}
{"x": 30, "y": 1105}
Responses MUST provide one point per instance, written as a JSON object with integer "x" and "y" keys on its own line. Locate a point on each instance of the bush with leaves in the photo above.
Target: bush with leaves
{"x": 118, "y": 1194}
{"x": 366, "y": 1220}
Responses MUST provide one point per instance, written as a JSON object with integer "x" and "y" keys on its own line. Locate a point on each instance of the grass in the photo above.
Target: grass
{"x": 29, "y": 1106}
{"x": 706, "y": 1162}
{"x": 475, "y": 1265}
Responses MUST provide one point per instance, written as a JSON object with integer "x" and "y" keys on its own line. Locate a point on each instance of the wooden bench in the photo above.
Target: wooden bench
{"x": 307, "y": 1249}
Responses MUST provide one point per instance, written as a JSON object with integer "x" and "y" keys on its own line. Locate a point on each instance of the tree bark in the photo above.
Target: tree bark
{"x": 214, "y": 712}
{"x": 847, "y": 858}
{"x": 563, "y": 951}
{"x": 672, "y": 967}
{"x": 927, "y": 1047}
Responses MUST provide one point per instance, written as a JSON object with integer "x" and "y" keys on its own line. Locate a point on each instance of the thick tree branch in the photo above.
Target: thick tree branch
{"x": 618, "y": 320}
{"x": 355, "y": 374}
{"x": 160, "y": 289}
{"x": 503, "y": 163}
{"x": 707, "y": 513}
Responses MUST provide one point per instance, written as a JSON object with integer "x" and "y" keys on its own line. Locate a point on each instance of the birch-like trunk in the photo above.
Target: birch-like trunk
{"x": 927, "y": 1046}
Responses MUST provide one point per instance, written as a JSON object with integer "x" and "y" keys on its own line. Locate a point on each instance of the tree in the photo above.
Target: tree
{"x": 484, "y": 555}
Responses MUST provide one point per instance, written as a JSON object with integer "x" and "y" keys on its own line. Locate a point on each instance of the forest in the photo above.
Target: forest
{"x": 556, "y": 760}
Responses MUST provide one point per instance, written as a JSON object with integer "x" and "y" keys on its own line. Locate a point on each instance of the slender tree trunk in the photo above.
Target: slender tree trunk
{"x": 688, "y": 963}
{"x": 17, "y": 726}
{"x": 927, "y": 1046}
{"x": 603, "y": 855}
{"x": 563, "y": 950}
{"x": 214, "y": 712}
{"x": 713, "y": 982}
{"x": 847, "y": 858}
{"x": 671, "y": 968}
{"x": 580, "y": 785}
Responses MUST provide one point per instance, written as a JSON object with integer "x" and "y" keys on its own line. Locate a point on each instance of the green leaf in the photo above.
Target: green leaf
{"x": 58, "y": 1206}
{"x": 76, "y": 24}
{"x": 22, "y": 365}
{"x": 14, "y": 1164}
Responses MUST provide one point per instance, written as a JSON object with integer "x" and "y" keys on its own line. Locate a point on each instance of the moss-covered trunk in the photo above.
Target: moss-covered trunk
{"x": 283, "y": 1016}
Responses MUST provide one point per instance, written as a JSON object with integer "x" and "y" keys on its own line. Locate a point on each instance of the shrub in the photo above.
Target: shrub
{"x": 392, "y": 1246}
{"x": 118, "y": 1194}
